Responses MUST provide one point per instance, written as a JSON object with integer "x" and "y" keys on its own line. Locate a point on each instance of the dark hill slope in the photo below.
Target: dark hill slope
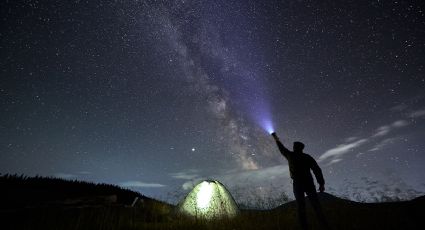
{"x": 346, "y": 214}
{"x": 21, "y": 191}
{"x": 52, "y": 203}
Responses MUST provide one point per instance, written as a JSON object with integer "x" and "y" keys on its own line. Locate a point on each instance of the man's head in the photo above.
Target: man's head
{"x": 298, "y": 146}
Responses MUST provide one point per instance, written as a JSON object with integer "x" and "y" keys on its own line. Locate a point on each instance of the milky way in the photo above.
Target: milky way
{"x": 156, "y": 96}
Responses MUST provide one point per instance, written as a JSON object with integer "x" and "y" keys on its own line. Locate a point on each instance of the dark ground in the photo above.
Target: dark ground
{"x": 47, "y": 203}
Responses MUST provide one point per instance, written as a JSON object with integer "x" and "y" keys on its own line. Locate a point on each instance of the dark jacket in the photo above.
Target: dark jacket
{"x": 300, "y": 165}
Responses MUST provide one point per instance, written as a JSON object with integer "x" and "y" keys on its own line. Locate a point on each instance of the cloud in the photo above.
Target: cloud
{"x": 335, "y": 154}
{"x": 259, "y": 176}
{"x": 65, "y": 175}
{"x": 399, "y": 124}
{"x": 185, "y": 175}
{"x": 399, "y": 107}
{"x": 333, "y": 161}
{"x": 417, "y": 114}
{"x": 190, "y": 184}
{"x": 351, "y": 139}
{"x": 341, "y": 149}
{"x": 382, "y": 144}
{"x": 382, "y": 131}
{"x": 140, "y": 184}
{"x": 70, "y": 176}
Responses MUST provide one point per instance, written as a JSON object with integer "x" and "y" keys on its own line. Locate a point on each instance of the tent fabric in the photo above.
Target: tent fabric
{"x": 209, "y": 200}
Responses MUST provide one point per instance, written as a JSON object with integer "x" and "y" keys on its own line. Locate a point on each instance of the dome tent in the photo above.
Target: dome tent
{"x": 209, "y": 200}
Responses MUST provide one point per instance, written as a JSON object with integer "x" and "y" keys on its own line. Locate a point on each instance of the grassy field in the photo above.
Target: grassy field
{"x": 103, "y": 213}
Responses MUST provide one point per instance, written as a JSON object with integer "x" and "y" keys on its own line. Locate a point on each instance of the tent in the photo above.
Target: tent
{"x": 209, "y": 200}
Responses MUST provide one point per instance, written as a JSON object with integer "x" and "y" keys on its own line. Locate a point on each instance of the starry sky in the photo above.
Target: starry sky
{"x": 157, "y": 95}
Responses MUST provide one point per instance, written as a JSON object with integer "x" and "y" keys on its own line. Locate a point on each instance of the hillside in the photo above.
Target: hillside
{"x": 49, "y": 203}
{"x": 24, "y": 191}
{"x": 53, "y": 203}
{"x": 346, "y": 214}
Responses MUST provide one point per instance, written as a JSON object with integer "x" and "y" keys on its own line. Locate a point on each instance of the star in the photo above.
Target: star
{"x": 203, "y": 77}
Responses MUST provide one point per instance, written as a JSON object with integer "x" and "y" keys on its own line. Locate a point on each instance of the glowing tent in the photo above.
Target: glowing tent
{"x": 209, "y": 200}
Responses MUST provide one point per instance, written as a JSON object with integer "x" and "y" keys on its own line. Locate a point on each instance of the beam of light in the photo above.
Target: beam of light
{"x": 267, "y": 125}
{"x": 257, "y": 104}
{"x": 262, "y": 116}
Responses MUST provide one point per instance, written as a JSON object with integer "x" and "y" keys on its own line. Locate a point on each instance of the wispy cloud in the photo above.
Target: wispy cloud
{"x": 334, "y": 155}
{"x": 185, "y": 175}
{"x": 334, "y": 161}
{"x": 190, "y": 184}
{"x": 417, "y": 113}
{"x": 351, "y": 139}
{"x": 139, "y": 184}
{"x": 384, "y": 130}
{"x": 65, "y": 175}
{"x": 71, "y": 175}
{"x": 341, "y": 150}
{"x": 247, "y": 176}
{"x": 258, "y": 175}
{"x": 399, "y": 124}
{"x": 382, "y": 144}
{"x": 399, "y": 107}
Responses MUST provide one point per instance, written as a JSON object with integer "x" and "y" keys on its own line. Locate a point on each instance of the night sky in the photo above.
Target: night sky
{"x": 155, "y": 96}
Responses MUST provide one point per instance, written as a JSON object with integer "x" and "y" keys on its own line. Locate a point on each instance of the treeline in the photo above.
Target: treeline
{"x": 20, "y": 190}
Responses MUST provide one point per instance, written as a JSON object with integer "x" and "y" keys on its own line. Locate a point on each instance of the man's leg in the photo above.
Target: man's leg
{"x": 312, "y": 196}
{"x": 299, "y": 197}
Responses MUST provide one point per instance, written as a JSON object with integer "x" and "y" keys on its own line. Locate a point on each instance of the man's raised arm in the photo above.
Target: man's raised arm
{"x": 285, "y": 152}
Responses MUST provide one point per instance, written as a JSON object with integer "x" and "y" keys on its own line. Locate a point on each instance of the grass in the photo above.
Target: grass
{"x": 152, "y": 214}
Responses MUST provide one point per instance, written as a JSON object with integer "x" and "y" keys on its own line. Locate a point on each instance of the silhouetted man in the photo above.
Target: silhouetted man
{"x": 299, "y": 168}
